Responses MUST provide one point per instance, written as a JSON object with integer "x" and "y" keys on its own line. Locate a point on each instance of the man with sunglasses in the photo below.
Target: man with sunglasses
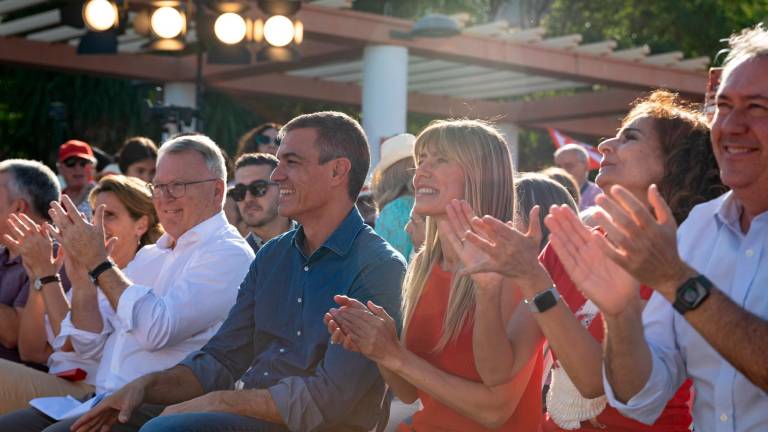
{"x": 76, "y": 165}
{"x": 256, "y": 197}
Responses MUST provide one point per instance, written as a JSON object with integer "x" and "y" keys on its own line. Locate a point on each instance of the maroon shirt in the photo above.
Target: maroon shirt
{"x": 14, "y": 289}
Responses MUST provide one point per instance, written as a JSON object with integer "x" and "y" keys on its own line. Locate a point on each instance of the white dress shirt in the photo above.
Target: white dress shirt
{"x": 711, "y": 242}
{"x": 178, "y": 298}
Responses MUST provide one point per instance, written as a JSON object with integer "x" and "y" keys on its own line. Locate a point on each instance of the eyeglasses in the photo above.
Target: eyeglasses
{"x": 71, "y": 162}
{"x": 257, "y": 188}
{"x": 266, "y": 139}
{"x": 173, "y": 190}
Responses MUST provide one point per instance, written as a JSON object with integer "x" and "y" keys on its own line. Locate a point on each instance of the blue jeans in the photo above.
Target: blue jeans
{"x": 214, "y": 422}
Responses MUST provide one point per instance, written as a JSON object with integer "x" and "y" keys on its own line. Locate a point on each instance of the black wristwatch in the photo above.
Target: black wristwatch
{"x": 101, "y": 268}
{"x": 39, "y": 282}
{"x": 691, "y": 294}
{"x": 544, "y": 300}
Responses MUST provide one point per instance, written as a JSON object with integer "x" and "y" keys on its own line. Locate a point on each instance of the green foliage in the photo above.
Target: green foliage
{"x": 479, "y": 10}
{"x": 692, "y": 26}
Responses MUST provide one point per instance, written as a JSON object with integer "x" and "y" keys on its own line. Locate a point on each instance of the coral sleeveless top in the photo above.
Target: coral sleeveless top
{"x": 457, "y": 359}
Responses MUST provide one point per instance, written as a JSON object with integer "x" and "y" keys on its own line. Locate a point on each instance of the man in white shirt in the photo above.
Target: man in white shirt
{"x": 172, "y": 297}
{"x": 708, "y": 317}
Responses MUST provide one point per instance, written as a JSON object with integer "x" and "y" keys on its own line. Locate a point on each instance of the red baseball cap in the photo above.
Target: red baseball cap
{"x": 75, "y": 148}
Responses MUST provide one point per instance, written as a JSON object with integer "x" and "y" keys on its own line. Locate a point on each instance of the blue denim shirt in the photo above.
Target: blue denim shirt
{"x": 276, "y": 328}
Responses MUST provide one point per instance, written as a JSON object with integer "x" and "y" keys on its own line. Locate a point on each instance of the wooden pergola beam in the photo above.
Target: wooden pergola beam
{"x": 63, "y": 57}
{"x": 335, "y": 25}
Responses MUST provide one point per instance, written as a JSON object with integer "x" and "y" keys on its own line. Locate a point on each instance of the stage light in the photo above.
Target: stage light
{"x": 230, "y": 28}
{"x": 100, "y": 15}
{"x": 168, "y": 22}
{"x": 278, "y": 31}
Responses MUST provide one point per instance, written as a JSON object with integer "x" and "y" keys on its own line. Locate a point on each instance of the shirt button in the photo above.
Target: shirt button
{"x": 299, "y": 300}
{"x": 282, "y": 350}
{"x": 306, "y": 268}
{"x": 266, "y": 373}
{"x": 723, "y": 417}
{"x": 298, "y": 333}
{"x": 750, "y": 253}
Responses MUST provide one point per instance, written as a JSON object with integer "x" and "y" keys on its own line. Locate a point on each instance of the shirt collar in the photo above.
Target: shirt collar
{"x": 340, "y": 241}
{"x": 196, "y": 234}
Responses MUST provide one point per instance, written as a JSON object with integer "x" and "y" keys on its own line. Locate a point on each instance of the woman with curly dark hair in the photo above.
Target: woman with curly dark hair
{"x": 662, "y": 141}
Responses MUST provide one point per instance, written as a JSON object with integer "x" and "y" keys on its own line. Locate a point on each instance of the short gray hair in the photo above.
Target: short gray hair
{"x": 583, "y": 155}
{"x": 749, "y": 43}
{"x": 200, "y": 143}
{"x": 33, "y": 182}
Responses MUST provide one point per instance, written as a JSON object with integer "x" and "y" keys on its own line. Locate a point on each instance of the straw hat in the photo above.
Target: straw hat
{"x": 395, "y": 149}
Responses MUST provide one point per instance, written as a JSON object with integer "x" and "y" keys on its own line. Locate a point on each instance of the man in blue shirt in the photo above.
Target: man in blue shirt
{"x": 274, "y": 340}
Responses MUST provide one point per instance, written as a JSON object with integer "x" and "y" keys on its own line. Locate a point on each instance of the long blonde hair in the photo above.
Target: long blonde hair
{"x": 488, "y": 188}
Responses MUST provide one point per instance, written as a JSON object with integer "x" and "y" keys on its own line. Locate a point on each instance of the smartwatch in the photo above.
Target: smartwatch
{"x": 691, "y": 294}
{"x": 39, "y": 282}
{"x": 101, "y": 268}
{"x": 544, "y": 300}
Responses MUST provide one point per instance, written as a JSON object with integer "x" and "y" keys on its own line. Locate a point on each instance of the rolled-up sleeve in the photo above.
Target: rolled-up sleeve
{"x": 225, "y": 357}
{"x": 342, "y": 378}
{"x": 87, "y": 345}
{"x": 668, "y": 370}
{"x": 158, "y": 321}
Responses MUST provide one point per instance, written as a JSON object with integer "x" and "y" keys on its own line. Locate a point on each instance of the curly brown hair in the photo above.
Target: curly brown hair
{"x": 691, "y": 175}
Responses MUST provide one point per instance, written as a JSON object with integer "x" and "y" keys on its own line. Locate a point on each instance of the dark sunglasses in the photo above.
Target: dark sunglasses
{"x": 266, "y": 139}
{"x": 71, "y": 162}
{"x": 257, "y": 188}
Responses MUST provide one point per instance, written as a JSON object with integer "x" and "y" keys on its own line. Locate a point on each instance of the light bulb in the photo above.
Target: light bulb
{"x": 167, "y": 22}
{"x": 100, "y": 15}
{"x": 278, "y": 31}
{"x": 230, "y": 28}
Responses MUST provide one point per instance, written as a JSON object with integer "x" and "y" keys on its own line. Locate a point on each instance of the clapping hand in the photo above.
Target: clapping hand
{"x": 578, "y": 247}
{"x": 32, "y": 242}
{"x": 82, "y": 240}
{"x": 643, "y": 244}
{"x": 372, "y": 331}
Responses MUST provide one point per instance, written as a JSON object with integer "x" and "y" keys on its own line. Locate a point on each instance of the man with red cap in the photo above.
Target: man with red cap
{"x": 76, "y": 164}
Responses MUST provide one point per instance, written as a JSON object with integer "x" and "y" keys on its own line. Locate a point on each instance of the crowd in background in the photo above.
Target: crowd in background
{"x": 293, "y": 292}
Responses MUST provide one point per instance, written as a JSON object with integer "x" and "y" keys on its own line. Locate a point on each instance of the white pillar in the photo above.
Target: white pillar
{"x": 510, "y": 132}
{"x": 183, "y": 95}
{"x": 385, "y": 94}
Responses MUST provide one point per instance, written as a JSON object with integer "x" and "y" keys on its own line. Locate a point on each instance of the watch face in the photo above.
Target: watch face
{"x": 545, "y": 301}
{"x": 691, "y": 294}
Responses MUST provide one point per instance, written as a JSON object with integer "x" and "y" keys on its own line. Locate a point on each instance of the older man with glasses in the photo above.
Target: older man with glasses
{"x": 171, "y": 298}
{"x": 257, "y": 197}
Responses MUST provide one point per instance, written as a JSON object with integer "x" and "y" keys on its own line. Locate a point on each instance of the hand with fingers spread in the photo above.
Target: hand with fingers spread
{"x": 459, "y": 224}
{"x": 31, "y": 241}
{"x": 644, "y": 244}
{"x": 507, "y": 251}
{"x": 597, "y": 277}
{"x": 372, "y": 331}
{"x": 117, "y": 407}
{"x": 82, "y": 239}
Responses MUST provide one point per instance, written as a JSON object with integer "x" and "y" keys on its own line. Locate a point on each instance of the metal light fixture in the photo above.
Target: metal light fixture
{"x": 231, "y": 28}
{"x": 227, "y": 33}
{"x": 279, "y": 33}
{"x": 100, "y": 15}
{"x": 165, "y": 23}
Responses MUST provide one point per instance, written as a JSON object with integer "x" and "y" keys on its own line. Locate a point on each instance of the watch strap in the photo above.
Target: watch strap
{"x": 39, "y": 282}
{"x": 101, "y": 268}
{"x": 544, "y": 300}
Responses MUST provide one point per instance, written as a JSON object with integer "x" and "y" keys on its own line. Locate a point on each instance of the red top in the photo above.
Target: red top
{"x": 675, "y": 417}
{"x": 457, "y": 359}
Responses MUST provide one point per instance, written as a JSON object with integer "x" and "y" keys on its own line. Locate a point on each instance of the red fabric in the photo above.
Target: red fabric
{"x": 457, "y": 359}
{"x": 675, "y": 417}
{"x": 75, "y": 148}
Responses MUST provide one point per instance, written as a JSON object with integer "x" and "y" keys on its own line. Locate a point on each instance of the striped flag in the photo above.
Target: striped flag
{"x": 560, "y": 139}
